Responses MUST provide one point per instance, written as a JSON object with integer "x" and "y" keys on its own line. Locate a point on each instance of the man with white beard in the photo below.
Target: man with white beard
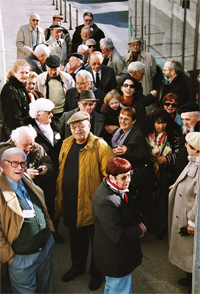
{"x": 190, "y": 116}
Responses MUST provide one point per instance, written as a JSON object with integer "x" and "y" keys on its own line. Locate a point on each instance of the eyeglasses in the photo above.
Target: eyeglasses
{"x": 16, "y": 163}
{"x": 123, "y": 178}
{"x": 79, "y": 126}
{"x": 124, "y": 118}
{"x": 130, "y": 86}
{"x": 172, "y": 104}
{"x": 84, "y": 104}
{"x": 88, "y": 20}
{"x": 48, "y": 112}
{"x": 188, "y": 145}
{"x": 91, "y": 46}
{"x": 81, "y": 84}
{"x": 36, "y": 20}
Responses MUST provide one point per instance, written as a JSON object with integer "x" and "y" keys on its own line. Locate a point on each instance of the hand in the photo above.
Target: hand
{"x": 32, "y": 172}
{"x": 143, "y": 228}
{"x": 10, "y": 260}
{"x": 154, "y": 93}
{"x": 120, "y": 150}
{"x": 161, "y": 159}
{"x": 44, "y": 170}
{"x": 171, "y": 187}
{"x": 62, "y": 67}
{"x": 190, "y": 230}
{"x": 110, "y": 128}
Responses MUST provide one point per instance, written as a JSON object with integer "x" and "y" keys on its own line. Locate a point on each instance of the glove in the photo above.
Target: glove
{"x": 183, "y": 231}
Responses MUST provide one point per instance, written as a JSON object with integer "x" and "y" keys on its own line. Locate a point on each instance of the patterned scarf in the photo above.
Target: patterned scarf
{"x": 193, "y": 159}
{"x": 119, "y": 140}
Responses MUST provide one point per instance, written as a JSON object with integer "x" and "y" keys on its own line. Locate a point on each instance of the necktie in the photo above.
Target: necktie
{"x": 97, "y": 80}
{"x": 26, "y": 199}
{"x": 59, "y": 43}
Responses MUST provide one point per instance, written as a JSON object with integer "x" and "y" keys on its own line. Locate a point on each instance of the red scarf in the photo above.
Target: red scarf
{"x": 127, "y": 103}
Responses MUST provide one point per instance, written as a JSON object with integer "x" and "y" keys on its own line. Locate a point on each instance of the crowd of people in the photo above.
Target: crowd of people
{"x": 80, "y": 144}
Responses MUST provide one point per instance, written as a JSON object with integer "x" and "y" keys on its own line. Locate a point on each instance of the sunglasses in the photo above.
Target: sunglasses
{"x": 127, "y": 85}
{"x": 36, "y": 20}
{"x": 91, "y": 46}
{"x": 172, "y": 104}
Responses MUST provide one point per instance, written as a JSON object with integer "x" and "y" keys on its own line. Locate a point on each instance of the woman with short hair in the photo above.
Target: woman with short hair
{"x": 171, "y": 103}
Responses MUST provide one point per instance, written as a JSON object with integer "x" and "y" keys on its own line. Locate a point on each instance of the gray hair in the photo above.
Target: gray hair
{"x": 84, "y": 47}
{"x": 36, "y": 14}
{"x": 17, "y": 134}
{"x": 42, "y": 49}
{"x": 38, "y": 105}
{"x": 135, "y": 66}
{"x": 86, "y": 28}
{"x": 91, "y": 40}
{"x": 98, "y": 54}
{"x": 84, "y": 74}
{"x": 175, "y": 65}
{"x": 106, "y": 43}
{"x": 11, "y": 151}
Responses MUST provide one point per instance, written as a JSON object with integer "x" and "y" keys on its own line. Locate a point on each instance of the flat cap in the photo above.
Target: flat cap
{"x": 77, "y": 55}
{"x": 53, "y": 61}
{"x": 58, "y": 16}
{"x": 78, "y": 116}
{"x": 133, "y": 39}
{"x": 57, "y": 26}
{"x": 188, "y": 107}
{"x": 193, "y": 139}
{"x": 87, "y": 95}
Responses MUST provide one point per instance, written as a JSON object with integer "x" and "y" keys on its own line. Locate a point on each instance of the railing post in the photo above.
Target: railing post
{"x": 56, "y": 4}
{"x": 53, "y": 2}
{"x": 76, "y": 17}
{"x": 61, "y": 7}
{"x": 65, "y": 11}
{"x": 70, "y": 16}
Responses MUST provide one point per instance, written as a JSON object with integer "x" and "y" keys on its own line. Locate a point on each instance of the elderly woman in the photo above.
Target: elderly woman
{"x": 129, "y": 98}
{"x": 171, "y": 103}
{"x": 49, "y": 136}
{"x": 163, "y": 137}
{"x": 15, "y": 98}
{"x": 182, "y": 211}
{"x": 129, "y": 142}
{"x": 91, "y": 43}
{"x": 30, "y": 86}
{"x": 118, "y": 227}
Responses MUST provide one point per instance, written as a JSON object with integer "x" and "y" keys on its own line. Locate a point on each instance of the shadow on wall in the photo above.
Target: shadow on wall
{"x": 117, "y": 18}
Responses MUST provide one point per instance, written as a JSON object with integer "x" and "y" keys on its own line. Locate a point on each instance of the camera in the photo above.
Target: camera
{"x": 39, "y": 169}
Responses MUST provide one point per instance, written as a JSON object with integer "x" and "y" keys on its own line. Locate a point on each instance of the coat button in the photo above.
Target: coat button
{"x": 180, "y": 195}
{"x": 176, "y": 216}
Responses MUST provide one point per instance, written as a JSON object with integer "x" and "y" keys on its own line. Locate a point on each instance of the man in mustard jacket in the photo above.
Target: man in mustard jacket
{"x": 79, "y": 176}
{"x": 26, "y": 242}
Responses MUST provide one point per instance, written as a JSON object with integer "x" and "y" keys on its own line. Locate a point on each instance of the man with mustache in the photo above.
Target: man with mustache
{"x": 80, "y": 173}
{"x": 190, "y": 116}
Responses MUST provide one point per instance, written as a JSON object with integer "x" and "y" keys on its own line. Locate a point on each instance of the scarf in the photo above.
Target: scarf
{"x": 156, "y": 144}
{"x": 47, "y": 131}
{"x": 193, "y": 160}
{"x": 127, "y": 103}
{"x": 115, "y": 189}
{"x": 118, "y": 141}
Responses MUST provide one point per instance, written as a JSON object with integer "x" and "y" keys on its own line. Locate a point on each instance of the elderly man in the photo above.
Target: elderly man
{"x": 65, "y": 34}
{"x": 87, "y": 102}
{"x": 113, "y": 58}
{"x": 26, "y": 239}
{"x": 97, "y": 33}
{"x": 85, "y": 156}
{"x": 37, "y": 58}
{"x": 29, "y": 36}
{"x": 136, "y": 70}
{"x": 54, "y": 84}
{"x": 84, "y": 81}
{"x": 92, "y": 45}
{"x": 83, "y": 49}
{"x": 176, "y": 83}
{"x": 86, "y": 33}
{"x": 76, "y": 61}
{"x": 103, "y": 76}
{"x": 137, "y": 54}
{"x": 190, "y": 116}
{"x": 56, "y": 44}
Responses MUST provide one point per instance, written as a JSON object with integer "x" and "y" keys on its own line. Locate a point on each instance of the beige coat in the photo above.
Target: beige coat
{"x": 11, "y": 217}
{"x": 117, "y": 63}
{"x": 89, "y": 176}
{"x": 150, "y": 69}
{"x": 55, "y": 49}
{"x": 182, "y": 208}
{"x": 25, "y": 40}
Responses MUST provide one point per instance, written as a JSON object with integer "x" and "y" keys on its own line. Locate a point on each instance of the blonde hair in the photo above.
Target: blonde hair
{"x": 32, "y": 75}
{"x": 19, "y": 62}
{"x": 9, "y": 74}
{"x": 111, "y": 95}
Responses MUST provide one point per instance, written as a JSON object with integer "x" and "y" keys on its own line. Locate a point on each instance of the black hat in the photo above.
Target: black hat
{"x": 188, "y": 107}
{"x": 77, "y": 55}
{"x": 57, "y": 26}
{"x": 87, "y": 95}
{"x": 53, "y": 61}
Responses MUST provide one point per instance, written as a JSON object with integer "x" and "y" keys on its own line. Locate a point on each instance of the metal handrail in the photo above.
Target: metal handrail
{"x": 2, "y": 55}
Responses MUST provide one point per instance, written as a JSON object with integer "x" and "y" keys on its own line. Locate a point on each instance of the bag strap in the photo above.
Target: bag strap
{"x": 97, "y": 156}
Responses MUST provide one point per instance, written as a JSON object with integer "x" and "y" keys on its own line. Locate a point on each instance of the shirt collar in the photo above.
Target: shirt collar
{"x": 13, "y": 184}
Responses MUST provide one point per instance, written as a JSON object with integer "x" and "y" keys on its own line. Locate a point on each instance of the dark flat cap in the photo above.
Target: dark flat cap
{"x": 78, "y": 116}
{"x": 53, "y": 61}
{"x": 77, "y": 55}
{"x": 57, "y": 26}
{"x": 188, "y": 107}
{"x": 87, "y": 95}
{"x": 58, "y": 16}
